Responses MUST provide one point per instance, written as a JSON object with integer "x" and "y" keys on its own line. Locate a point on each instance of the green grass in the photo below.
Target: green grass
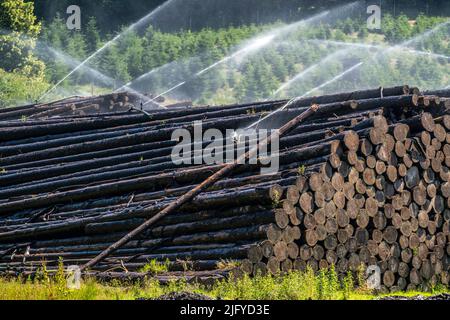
{"x": 293, "y": 286}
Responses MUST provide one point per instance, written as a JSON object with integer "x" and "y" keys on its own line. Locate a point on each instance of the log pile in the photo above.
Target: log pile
{"x": 71, "y": 108}
{"x": 362, "y": 182}
{"x": 81, "y": 108}
{"x": 381, "y": 199}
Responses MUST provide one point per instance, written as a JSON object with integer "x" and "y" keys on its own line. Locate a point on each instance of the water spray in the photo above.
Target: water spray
{"x": 383, "y": 48}
{"x": 257, "y": 43}
{"x": 296, "y": 99}
{"x": 252, "y": 46}
{"x": 106, "y": 79}
{"x": 339, "y": 76}
{"x": 310, "y": 69}
{"x": 402, "y": 46}
{"x": 72, "y": 62}
{"x": 425, "y": 34}
{"x": 105, "y": 46}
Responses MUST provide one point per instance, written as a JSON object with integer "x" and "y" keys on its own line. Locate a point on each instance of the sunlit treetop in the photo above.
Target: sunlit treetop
{"x": 18, "y": 15}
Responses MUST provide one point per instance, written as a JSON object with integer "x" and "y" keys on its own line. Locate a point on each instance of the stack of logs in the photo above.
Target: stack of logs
{"x": 362, "y": 182}
{"x": 382, "y": 199}
{"x": 71, "y": 107}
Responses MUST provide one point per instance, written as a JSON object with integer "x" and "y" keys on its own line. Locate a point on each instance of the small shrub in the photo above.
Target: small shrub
{"x": 155, "y": 267}
{"x": 348, "y": 285}
{"x": 301, "y": 170}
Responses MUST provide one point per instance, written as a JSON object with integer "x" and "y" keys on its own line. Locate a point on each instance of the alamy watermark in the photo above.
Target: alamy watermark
{"x": 74, "y": 20}
{"x": 212, "y": 147}
{"x": 73, "y": 277}
{"x": 373, "y": 277}
{"x": 374, "y": 19}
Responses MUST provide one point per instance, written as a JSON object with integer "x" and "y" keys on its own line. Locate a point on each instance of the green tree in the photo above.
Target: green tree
{"x": 388, "y": 26}
{"x": 363, "y": 33}
{"x": 76, "y": 46}
{"x": 348, "y": 27}
{"x": 17, "y": 17}
{"x": 115, "y": 66}
{"x": 398, "y": 29}
{"x": 92, "y": 35}
{"x": 403, "y": 28}
{"x": 133, "y": 51}
{"x": 19, "y": 89}
{"x": 278, "y": 65}
{"x": 56, "y": 34}
{"x": 339, "y": 35}
{"x": 54, "y": 38}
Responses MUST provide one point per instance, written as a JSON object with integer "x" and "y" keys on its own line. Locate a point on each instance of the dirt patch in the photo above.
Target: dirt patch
{"x": 189, "y": 296}
{"x": 441, "y": 297}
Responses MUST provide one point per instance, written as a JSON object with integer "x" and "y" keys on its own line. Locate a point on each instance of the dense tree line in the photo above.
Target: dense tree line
{"x": 171, "y": 58}
{"x": 198, "y": 14}
{"x": 154, "y": 60}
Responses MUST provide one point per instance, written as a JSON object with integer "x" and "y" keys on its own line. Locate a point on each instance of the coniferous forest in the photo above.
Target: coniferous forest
{"x": 40, "y": 50}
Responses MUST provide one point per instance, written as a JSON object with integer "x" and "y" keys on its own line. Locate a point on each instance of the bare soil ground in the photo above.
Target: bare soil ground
{"x": 441, "y": 297}
{"x": 187, "y": 296}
